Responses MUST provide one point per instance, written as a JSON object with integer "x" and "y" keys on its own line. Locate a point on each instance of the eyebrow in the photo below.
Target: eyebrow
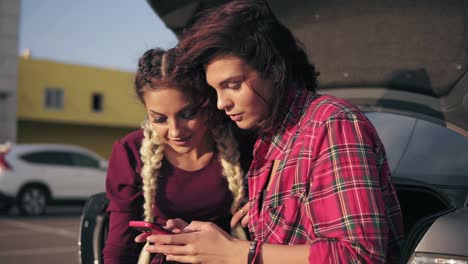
{"x": 181, "y": 110}
{"x": 154, "y": 112}
{"x": 224, "y": 82}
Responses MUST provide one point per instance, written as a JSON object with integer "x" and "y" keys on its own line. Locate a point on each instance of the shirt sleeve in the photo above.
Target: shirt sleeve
{"x": 345, "y": 198}
{"x": 123, "y": 188}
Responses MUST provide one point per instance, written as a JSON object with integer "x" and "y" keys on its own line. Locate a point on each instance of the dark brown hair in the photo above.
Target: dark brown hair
{"x": 249, "y": 29}
{"x": 156, "y": 68}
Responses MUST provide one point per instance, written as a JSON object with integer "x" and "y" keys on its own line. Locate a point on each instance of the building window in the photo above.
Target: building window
{"x": 96, "y": 102}
{"x": 53, "y": 98}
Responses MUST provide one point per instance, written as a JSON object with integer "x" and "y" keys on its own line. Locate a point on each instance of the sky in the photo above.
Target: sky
{"x": 101, "y": 33}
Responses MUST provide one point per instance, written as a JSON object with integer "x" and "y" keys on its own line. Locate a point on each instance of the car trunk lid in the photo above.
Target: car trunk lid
{"x": 408, "y": 56}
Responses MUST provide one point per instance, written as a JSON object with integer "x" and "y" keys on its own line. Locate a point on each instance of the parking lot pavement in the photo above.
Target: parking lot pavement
{"x": 47, "y": 239}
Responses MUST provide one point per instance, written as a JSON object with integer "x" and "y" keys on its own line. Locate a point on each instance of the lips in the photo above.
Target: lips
{"x": 180, "y": 141}
{"x": 236, "y": 117}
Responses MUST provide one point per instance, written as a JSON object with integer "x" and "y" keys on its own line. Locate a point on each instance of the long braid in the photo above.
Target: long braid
{"x": 151, "y": 154}
{"x": 232, "y": 170}
{"x": 228, "y": 151}
{"x": 152, "y": 66}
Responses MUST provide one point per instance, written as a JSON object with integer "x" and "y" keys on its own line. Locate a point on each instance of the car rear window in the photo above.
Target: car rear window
{"x": 81, "y": 160}
{"x": 436, "y": 155}
{"x": 48, "y": 157}
{"x": 422, "y": 150}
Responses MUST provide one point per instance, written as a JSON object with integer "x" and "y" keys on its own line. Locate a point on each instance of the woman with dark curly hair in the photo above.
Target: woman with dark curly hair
{"x": 319, "y": 183}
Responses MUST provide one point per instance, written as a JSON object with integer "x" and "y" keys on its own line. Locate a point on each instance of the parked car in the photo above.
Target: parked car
{"x": 33, "y": 176}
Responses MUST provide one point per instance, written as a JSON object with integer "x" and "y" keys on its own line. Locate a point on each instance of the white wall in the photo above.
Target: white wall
{"x": 9, "y": 33}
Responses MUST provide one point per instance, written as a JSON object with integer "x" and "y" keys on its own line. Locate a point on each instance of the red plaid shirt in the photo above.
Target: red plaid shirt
{"x": 332, "y": 188}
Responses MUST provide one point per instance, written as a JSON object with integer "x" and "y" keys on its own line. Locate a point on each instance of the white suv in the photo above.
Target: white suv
{"x": 36, "y": 175}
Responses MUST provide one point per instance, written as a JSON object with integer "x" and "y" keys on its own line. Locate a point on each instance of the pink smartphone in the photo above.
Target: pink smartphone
{"x": 144, "y": 226}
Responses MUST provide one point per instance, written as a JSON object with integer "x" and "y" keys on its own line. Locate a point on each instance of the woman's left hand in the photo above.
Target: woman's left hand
{"x": 201, "y": 242}
{"x": 176, "y": 225}
{"x": 241, "y": 216}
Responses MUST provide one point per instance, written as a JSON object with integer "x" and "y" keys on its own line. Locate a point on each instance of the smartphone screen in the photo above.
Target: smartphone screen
{"x": 143, "y": 226}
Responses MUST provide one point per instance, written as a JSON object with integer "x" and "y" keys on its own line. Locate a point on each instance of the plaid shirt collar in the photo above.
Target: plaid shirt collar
{"x": 275, "y": 143}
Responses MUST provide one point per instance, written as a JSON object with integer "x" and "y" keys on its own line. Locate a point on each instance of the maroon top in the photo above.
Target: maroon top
{"x": 201, "y": 195}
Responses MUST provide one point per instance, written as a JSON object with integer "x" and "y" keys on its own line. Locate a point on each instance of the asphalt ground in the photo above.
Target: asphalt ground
{"x": 52, "y": 238}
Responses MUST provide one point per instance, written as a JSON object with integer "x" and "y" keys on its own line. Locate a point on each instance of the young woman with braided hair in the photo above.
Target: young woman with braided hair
{"x": 183, "y": 165}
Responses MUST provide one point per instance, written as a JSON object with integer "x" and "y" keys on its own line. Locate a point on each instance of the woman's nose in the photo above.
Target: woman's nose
{"x": 175, "y": 129}
{"x": 223, "y": 102}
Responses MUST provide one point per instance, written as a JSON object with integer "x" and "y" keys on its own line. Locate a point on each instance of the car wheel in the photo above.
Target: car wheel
{"x": 32, "y": 201}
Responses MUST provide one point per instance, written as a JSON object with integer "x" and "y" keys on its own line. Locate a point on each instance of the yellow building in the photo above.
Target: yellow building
{"x": 71, "y": 104}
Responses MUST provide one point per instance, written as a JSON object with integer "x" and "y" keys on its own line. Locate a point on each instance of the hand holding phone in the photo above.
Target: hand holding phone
{"x": 154, "y": 228}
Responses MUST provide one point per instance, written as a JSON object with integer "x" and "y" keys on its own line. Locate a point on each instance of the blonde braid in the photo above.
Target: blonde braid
{"x": 153, "y": 65}
{"x": 227, "y": 148}
{"x": 151, "y": 154}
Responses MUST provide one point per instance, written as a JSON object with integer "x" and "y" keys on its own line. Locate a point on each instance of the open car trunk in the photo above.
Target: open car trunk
{"x": 394, "y": 56}
{"x": 406, "y": 55}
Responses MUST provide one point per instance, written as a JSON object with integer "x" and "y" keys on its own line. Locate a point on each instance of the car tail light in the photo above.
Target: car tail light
{"x": 436, "y": 259}
{"x": 3, "y": 163}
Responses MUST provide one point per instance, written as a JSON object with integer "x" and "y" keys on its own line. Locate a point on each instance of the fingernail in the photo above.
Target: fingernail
{"x": 187, "y": 230}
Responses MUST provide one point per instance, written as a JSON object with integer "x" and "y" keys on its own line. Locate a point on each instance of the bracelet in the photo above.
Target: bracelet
{"x": 253, "y": 246}
{"x": 254, "y": 250}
